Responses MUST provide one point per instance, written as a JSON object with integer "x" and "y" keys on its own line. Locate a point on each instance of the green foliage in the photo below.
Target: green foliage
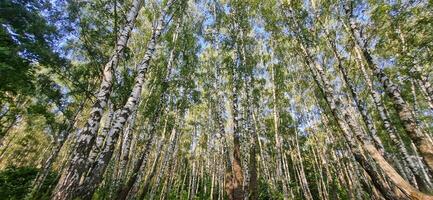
{"x": 27, "y": 57}
{"x": 266, "y": 192}
{"x": 25, "y": 39}
{"x": 15, "y": 183}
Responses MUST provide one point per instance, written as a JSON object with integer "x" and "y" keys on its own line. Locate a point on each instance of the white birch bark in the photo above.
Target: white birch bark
{"x": 70, "y": 177}
{"x": 90, "y": 184}
{"x": 406, "y": 114}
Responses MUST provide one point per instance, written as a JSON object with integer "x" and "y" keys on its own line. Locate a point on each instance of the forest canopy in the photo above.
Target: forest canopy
{"x": 216, "y": 99}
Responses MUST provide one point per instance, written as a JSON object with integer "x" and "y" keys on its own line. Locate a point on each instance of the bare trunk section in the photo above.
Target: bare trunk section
{"x": 303, "y": 178}
{"x": 100, "y": 138}
{"x": 168, "y": 156}
{"x": 416, "y": 73}
{"x": 125, "y": 151}
{"x": 253, "y": 182}
{"x": 149, "y": 178}
{"x": 136, "y": 175}
{"x": 238, "y": 175}
{"x": 279, "y": 159}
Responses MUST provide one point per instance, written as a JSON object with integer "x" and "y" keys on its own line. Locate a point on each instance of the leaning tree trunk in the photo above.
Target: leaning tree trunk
{"x": 350, "y": 128}
{"x": 149, "y": 178}
{"x": 390, "y": 129}
{"x": 341, "y": 111}
{"x": 416, "y": 73}
{"x": 125, "y": 190}
{"x": 407, "y": 163}
{"x": 425, "y": 86}
{"x": 167, "y": 157}
{"x": 125, "y": 151}
{"x": 406, "y": 114}
{"x": 70, "y": 177}
{"x": 100, "y": 138}
{"x": 90, "y": 183}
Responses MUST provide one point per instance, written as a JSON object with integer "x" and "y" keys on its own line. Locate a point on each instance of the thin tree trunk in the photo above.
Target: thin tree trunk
{"x": 164, "y": 96}
{"x": 167, "y": 157}
{"x": 141, "y": 162}
{"x": 125, "y": 151}
{"x": 305, "y": 188}
{"x": 136, "y": 174}
{"x": 279, "y": 159}
{"x": 149, "y": 178}
{"x": 390, "y": 129}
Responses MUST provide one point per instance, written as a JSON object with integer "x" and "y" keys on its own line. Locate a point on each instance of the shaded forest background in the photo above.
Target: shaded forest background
{"x": 216, "y": 99}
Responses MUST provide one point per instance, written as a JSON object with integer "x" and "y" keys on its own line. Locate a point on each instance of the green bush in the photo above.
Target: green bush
{"x": 16, "y": 182}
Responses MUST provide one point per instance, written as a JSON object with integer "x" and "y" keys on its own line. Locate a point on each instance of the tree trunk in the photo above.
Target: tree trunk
{"x": 348, "y": 124}
{"x": 90, "y": 184}
{"x": 125, "y": 150}
{"x": 391, "y": 130}
{"x": 238, "y": 175}
{"x": 279, "y": 159}
{"x": 70, "y": 177}
{"x": 406, "y": 114}
{"x": 341, "y": 112}
{"x": 135, "y": 174}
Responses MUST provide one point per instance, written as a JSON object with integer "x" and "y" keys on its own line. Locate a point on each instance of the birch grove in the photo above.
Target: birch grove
{"x": 216, "y": 99}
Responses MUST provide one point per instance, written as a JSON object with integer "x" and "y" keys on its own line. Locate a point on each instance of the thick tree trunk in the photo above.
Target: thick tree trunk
{"x": 70, "y": 177}
{"x": 90, "y": 183}
{"x": 238, "y": 174}
{"x": 405, "y": 113}
{"x": 100, "y": 138}
{"x": 350, "y": 128}
{"x": 250, "y": 129}
{"x": 390, "y": 129}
